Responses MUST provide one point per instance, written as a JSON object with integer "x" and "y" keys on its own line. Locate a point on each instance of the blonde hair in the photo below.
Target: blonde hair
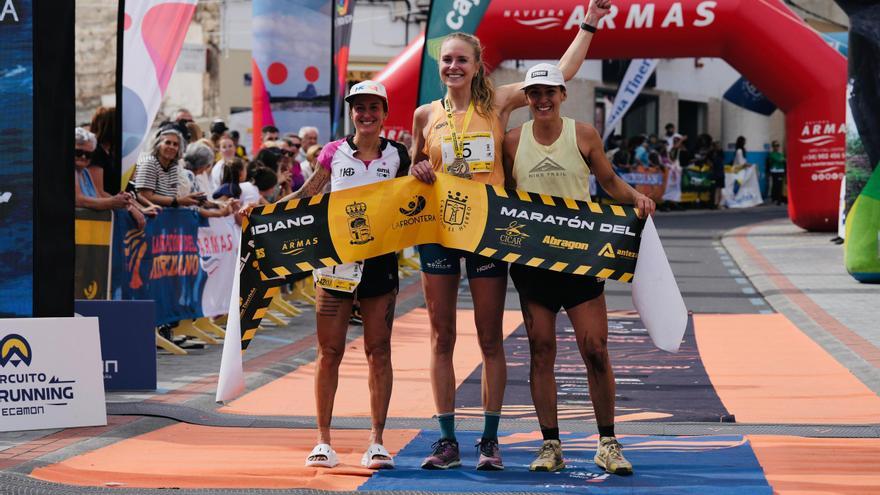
{"x": 313, "y": 152}
{"x": 482, "y": 89}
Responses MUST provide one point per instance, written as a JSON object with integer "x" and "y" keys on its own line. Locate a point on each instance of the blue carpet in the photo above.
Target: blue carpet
{"x": 663, "y": 465}
{"x": 675, "y": 387}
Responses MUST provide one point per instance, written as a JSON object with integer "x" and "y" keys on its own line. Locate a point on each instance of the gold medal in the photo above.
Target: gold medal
{"x": 460, "y": 168}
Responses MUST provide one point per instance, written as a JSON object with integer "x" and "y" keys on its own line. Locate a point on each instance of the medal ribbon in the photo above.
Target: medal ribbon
{"x": 457, "y": 144}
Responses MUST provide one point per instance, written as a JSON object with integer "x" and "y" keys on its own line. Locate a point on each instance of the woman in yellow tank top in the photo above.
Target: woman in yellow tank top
{"x": 462, "y": 135}
{"x": 550, "y": 155}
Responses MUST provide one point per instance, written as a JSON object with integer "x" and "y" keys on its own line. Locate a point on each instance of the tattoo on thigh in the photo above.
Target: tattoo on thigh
{"x": 329, "y": 306}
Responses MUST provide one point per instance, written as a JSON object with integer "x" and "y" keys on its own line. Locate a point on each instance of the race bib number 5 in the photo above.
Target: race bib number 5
{"x": 478, "y": 152}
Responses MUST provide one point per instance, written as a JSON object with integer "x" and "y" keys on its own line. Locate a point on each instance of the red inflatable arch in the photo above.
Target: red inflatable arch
{"x": 762, "y": 39}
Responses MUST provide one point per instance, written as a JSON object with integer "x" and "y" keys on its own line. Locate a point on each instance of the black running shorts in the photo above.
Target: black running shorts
{"x": 554, "y": 290}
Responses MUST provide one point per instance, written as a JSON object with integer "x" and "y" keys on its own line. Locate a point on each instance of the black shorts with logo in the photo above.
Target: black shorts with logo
{"x": 379, "y": 278}
{"x": 439, "y": 260}
{"x": 554, "y": 290}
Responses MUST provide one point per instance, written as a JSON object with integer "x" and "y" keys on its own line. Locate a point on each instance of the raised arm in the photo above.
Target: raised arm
{"x": 590, "y": 145}
{"x": 510, "y": 96}
{"x": 574, "y": 57}
{"x": 315, "y": 185}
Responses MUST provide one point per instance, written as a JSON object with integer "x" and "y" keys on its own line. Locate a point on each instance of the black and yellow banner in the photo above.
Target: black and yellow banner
{"x": 91, "y": 270}
{"x": 554, "y": 233}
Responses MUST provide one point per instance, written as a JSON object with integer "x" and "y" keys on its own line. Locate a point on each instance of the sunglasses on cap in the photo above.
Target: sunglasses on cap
{"x": 82, "y": 154}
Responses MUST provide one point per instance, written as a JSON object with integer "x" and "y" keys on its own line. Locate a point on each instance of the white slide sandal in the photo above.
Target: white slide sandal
{"x": 373, "y": 458}
{"x": 322, "y": 456}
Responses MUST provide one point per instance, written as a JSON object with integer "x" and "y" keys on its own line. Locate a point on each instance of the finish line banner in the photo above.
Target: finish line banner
{"x": 553, "y": 233}
{"x": 513, "y": 226}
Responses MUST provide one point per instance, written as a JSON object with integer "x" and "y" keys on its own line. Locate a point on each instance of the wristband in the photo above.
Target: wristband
{"x": 174, "y": 202}
{"x": 588, "y": 28}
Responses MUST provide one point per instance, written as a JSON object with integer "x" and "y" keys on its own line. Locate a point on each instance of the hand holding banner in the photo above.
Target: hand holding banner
{"x": 541, "y": 231}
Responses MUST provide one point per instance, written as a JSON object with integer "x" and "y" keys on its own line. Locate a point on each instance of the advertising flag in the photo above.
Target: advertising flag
{"x": 153, "y": 35}
{"x": 292, "y": 80}
{"x": 343, "y": 16}
{"x": 637, "y": 75}
{"x": 445, "y": 17}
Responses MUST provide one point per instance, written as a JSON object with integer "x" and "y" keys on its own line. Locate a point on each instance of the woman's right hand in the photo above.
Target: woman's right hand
{"x": 120, "y": 200}
{"x": 424, "y": 172}
{"x": 244, "y": 210}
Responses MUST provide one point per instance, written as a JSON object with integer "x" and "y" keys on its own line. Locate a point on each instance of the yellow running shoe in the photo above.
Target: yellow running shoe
{"x": 610, "y": 458}
{"x": 549, "y": 457}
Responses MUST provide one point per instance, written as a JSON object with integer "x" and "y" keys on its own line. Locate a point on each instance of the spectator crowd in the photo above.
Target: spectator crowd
{"x": 700, "y": 164}
{"x": 186, "y": 168}
{"x": 183, "y": 167}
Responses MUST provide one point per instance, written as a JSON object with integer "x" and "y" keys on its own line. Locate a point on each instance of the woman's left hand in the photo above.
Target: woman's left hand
{"x": 138, "y": 217}
{"x": 645, "y": 205}
{"x": 424, "y": 172}
{"x": 599, "y": 8}
{"x": 152, "y": 210}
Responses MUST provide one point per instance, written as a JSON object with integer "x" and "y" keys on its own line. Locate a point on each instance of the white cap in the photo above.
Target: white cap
{"x": 544, "y": 74}
{"x": 368, "y": 88}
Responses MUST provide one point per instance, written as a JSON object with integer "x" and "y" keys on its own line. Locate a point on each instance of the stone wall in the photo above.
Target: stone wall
{"x": 95, "y": 52}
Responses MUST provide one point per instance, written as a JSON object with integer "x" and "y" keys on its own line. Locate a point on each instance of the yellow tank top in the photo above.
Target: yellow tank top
{"x": 483, "y": 137}
{"x": 557, "y": 170}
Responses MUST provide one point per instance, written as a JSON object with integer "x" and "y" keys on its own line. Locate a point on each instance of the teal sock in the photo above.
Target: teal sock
{"x": 490, "y": 425}
{"x": 447, "y": 425}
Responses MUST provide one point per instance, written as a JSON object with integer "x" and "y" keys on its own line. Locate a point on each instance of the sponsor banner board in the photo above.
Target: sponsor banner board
{"x": 50, "y": 374}
{"x": 128, "y": 342}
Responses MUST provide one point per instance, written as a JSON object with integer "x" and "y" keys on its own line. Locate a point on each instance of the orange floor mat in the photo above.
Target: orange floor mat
{"x": 189, "y": 456}
{"x": 293, "y": 395}
{"x": 819, "y": 466}
{"x": 765, "y": 370}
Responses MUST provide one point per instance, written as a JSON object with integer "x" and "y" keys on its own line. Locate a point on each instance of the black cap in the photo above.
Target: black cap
{"x": 218, "y": 127}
